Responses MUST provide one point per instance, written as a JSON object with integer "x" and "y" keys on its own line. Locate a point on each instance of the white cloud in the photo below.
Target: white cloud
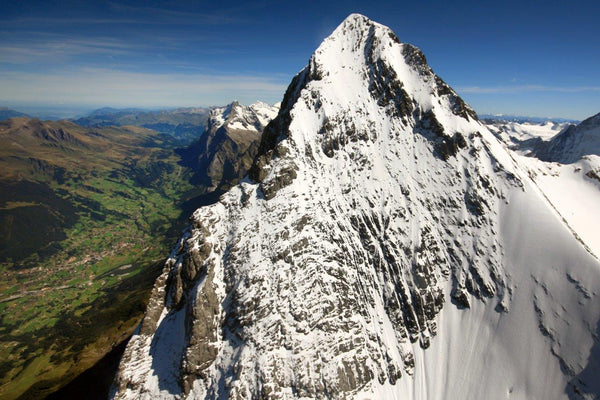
{"x": 92, "y": 86}
{"x": 56, "y": 49}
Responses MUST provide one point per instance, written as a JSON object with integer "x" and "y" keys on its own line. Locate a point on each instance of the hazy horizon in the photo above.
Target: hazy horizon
{"x": 56, "y": 112}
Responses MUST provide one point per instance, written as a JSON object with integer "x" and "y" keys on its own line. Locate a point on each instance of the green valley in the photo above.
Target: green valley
{"x": 87, "y": 216}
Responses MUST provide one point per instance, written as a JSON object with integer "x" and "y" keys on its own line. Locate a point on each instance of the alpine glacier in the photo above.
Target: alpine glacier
{"x": 385, "y": 245}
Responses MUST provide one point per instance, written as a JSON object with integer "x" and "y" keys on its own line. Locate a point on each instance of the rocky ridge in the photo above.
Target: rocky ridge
{"x": 224, "y": 153}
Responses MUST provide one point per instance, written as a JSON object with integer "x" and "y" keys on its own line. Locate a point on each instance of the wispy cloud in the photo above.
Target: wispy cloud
{"x": 49, "y": 48}
{"x": 56, "y": 48}
{"x": 167, "y": 15}
{"x": 45, "y": 21}
{"x": 526, "y": 89}
{"x": 128, "y": 15}
{"x": 122, "y": 88}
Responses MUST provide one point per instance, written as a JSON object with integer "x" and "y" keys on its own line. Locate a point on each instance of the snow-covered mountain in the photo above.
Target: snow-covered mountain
{"x": 524, "y": 136}
{"x": 573, "y": 190}
{"x": 573, "y": 143}
{"x": 242, "y": 118}
{"x": 385, "y": 246}
{"x": 227, "y": 148}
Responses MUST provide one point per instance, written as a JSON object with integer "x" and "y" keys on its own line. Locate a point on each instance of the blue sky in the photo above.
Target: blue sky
{"x": 537, "y": 58}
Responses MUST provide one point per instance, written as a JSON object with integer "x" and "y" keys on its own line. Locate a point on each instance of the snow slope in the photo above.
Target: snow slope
{"x": 572, "y": 189}
{"x": 385, "y": 245}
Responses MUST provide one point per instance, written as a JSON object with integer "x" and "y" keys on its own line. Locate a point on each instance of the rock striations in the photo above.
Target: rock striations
{"x": 385, "y": 245}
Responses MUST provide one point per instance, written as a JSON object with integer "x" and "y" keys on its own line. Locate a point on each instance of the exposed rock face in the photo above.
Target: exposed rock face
{"x": 223, "y": 155}
{"x": 375, "y": 205}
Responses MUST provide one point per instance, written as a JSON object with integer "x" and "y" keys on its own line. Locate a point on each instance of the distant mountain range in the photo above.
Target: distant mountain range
{"x": 572, "y": 143}
{"x": 524, "y": 136}
{"x": 522, "y": 119}
{"x": 6, "y": 113}
{"x": 183, "y": 124}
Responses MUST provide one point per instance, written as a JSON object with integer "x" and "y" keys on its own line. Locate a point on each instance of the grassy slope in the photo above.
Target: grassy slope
{"x": 88, "y": 213}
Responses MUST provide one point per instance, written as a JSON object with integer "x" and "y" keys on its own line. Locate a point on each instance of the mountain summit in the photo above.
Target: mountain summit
{"x": 385, "y": 245}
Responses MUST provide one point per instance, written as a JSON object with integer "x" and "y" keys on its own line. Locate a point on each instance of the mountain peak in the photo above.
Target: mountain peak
{"x": 572, "y": 143}
{"x": 357, "y": 17}
{"x": 358, "y": 23}
{"x": 354, "y": 22}
{"x": 352, "y": 39}
{"x": 378, "y": 211}
{"x": 592, "y": 121}
{"x": 363, "y": 68}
